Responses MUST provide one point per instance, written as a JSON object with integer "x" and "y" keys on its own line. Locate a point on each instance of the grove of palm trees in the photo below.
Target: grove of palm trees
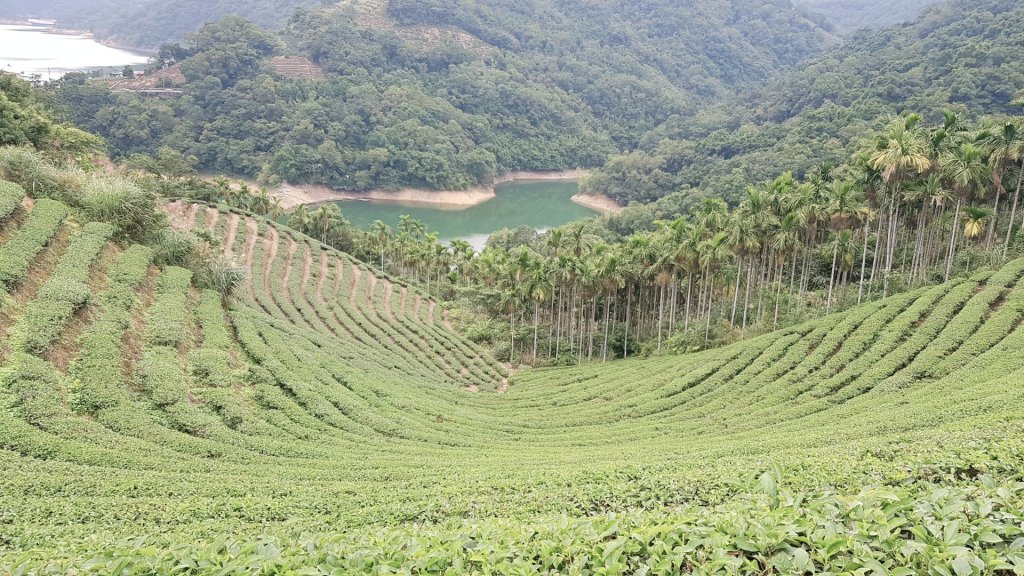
{"x": 919, "y": 204}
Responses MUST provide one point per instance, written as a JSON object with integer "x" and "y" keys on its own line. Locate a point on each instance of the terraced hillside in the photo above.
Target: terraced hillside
{"x": 327, "y": 420}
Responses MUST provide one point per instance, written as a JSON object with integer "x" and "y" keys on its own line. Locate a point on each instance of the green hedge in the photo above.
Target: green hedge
{"x": 97, "y": 369}
{"x": 35, "y": 385}
{"x": 162, "y": 375}
{"x": 63, "y": 293}
{"x": 24, "y": 245}
{"x": 11, "y": 196}
{"x": 165, "y": 322}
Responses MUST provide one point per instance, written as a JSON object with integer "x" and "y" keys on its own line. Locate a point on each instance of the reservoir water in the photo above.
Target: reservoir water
{"x": 34, "y": 50}
{"x": 537, "y": 204}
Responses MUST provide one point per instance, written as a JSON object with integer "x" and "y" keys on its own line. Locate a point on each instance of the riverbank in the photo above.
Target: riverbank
{"x": 598, "y": 202}
{"x": 53, "y": 29}
{"x": 520, "y": 176}
{"x": 292, "y": 195}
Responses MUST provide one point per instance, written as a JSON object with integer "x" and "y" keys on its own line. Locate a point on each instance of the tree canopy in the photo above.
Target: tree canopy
{"x": 963, "y": 57}
{"x": 444, "y": 95}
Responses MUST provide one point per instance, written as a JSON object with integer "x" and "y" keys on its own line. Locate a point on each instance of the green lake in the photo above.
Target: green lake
{"x": 537, "y": 204}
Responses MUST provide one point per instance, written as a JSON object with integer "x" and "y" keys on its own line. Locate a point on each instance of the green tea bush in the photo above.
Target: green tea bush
{"x": 64, "y": 292}
{"x": 165, "y": 322}
{"x": 11, "y": 196}
{"x": 29, "y": 240}
{"x": 95, "y": 369}
{"x": 35, "y": 386}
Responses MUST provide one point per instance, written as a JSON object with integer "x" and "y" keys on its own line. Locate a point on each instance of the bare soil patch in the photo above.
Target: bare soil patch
{"x": 229, "y": 240}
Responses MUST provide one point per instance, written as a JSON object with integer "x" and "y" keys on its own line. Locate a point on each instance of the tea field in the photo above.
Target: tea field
{"x": 329, "y": 420}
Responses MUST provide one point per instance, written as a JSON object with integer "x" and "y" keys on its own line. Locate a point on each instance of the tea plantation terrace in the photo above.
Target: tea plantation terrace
{"x": 330, "y": 419}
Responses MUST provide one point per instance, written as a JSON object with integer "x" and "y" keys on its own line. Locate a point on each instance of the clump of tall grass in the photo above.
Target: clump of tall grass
{"x": 38, "y": 177}
{"x": 220, "y": 274}
{"x": 132, "y": 211}
{"x": 200, "y": 254}
{"x": 173, "y": 247}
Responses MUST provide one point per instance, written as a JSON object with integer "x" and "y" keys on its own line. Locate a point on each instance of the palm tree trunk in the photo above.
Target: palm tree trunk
{"x": 746, "y": 296}
{"x": 629, "y": 303}
{"x": 558, "y": 332}
{"x": 875, "y": 259}
{"x": 689, "y": 293}
{"x": 760, "y": 281}
{"x": 640, "y": 312}
{"x": 995, "y": 218}
{"x": 952, "y": 239}
{"x": 583, "y": 311}
{"x": 1013, "y": 211}
{"x": 572, "y": 316}
{"x": 919, "y": 244}
{"x": 936, "y": 242}
{"x": 512, "y": 325}
{"x": 832, "y": 276}
{"x": 604, "y": 346}
{"x": 863, "y": 260}
{"x": 536, "y": 318}
{"x": 672, "y": 305}
{"x": 551, "y": 320}
{"x": 707, "y": 326}
{"x": 792, "y": 281}
{"x": 736, "y": 291}
{"x": 591, "y": 329}
{"x": 893, "y": 235}
{"x": 661, "y": 315}
{"x": 778, "y": 296}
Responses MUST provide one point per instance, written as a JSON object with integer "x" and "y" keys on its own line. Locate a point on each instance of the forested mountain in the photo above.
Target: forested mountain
{"x": 965, "y": 57}
{"x": 851, "y": 15}
{"x": 149, "y": 23}
{"x": 446, "y": 94}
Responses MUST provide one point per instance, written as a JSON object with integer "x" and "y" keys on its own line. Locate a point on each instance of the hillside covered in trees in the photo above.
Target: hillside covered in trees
{"x": 149, "y": 23}
{"x": 444, "y": 95}
{"x": 963, "y": 57}
{"x": 848, "y": 16}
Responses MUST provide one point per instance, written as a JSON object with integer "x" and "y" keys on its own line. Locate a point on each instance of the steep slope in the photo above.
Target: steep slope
{"x": 322, "y": 417}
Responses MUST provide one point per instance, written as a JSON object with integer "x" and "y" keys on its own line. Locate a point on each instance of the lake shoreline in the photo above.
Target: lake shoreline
{"x": 599, "y": 202}
{"x": 109, "y": 43}
{"x": 293, "y": 195}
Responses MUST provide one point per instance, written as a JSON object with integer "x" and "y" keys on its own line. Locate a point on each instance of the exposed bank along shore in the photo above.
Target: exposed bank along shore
{"x": 293, "y": 195}
{"x": 53, "y": 29}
